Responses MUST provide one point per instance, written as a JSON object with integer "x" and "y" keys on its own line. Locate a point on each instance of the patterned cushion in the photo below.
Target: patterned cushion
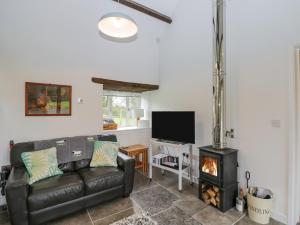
{"x": 41, "y": 164}
{"x": 105, "y": 154}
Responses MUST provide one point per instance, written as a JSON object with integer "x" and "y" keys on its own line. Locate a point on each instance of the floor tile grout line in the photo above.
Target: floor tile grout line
{"x": 176, "y": 194}
{"x": 162, "y": 211}
{"x": 242, "y": 217}
{"x": 112, "y": 214}
{"x": 135, "y": 192}
{"x": 153, "y": 180}
{"x": 168, "y": 189}
{"x": 180, "y": 198}
{"x": 158, "y": 184}
{"x": 89, "y": 216}
{"x": 132, "y": 199}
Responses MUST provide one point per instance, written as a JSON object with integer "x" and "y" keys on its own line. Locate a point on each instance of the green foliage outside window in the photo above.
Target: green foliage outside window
{"x": 121, "y": 109}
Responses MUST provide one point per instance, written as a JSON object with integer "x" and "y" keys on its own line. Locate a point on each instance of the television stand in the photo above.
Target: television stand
{"x": 182, "y": 169}
{"x": 169, "y": 142}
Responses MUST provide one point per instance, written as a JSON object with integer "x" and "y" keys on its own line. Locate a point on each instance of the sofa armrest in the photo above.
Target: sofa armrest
{"x": 127, "y": 164}
{"x": 17, "y": 190}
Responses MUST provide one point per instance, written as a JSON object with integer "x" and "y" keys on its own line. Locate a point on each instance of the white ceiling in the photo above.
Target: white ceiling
{"x": 74, "y": 18}
{"x": 163, "y": 6}
{"x": 63, "y": 34}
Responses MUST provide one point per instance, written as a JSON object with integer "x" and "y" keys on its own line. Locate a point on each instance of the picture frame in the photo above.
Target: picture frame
{"x": 42, "y": 99}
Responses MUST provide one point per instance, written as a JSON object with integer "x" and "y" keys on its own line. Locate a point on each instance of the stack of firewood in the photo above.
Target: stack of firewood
{"x": 211, "y": 195}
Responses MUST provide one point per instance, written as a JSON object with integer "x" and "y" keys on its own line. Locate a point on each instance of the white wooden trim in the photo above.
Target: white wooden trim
{"x": 298, "y": 135}
{"x": 281, "y": 217}
{"x": 294, "y": 154}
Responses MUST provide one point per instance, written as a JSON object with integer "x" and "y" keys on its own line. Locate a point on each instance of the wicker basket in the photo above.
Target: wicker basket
{"x": 110, "y": 126}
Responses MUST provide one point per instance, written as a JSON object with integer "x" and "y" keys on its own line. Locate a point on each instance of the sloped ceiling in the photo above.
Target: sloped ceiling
{"x": 146, "y": 24}
{"x": 163, "y": 6}
{"x": 59, "y": 34}
{"x": 89, "y": 12}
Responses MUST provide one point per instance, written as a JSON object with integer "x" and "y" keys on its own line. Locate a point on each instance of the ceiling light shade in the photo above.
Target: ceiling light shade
{"x": 117, "y": 26}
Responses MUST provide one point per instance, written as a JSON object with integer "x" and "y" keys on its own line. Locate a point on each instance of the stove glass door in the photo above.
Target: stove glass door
{"x": 210, "y": 165}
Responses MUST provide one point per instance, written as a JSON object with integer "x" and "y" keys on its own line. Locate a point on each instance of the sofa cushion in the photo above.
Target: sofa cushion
{"x": 105, "y": 154}
{"x": 55, "y": 190}
{"x": 41, "y": 164}
{"x": 101, "y": 178}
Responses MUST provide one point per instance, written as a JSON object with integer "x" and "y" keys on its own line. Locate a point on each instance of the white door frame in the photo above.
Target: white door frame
{"x": 294, "y": 143}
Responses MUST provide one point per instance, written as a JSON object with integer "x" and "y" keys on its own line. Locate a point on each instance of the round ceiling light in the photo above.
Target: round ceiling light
{"x": 118, "y": 27}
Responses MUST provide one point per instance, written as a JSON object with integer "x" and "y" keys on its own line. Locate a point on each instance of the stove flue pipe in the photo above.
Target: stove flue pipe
{"x": 219, "y": 81}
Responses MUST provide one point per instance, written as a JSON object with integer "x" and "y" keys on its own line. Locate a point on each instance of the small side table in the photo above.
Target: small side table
{"x": 135, "y": 151}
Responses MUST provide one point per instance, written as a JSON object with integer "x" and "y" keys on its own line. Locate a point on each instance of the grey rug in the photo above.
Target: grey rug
{"x": 136, "y": 219}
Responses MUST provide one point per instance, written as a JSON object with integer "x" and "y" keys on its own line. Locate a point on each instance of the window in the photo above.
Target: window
{"x": 120, "y": 107}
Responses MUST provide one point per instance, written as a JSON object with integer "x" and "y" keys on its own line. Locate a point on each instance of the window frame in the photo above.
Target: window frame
{"x": 127, "y": 95}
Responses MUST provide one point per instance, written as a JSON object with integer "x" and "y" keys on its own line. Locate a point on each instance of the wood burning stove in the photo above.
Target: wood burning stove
{"x": 218, "y": 164}
{"x": 218, "y": 177}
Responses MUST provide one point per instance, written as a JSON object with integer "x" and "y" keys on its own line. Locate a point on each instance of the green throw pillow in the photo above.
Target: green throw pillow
{"x": 41, "y": 164}
{"x": 105, "y": 154}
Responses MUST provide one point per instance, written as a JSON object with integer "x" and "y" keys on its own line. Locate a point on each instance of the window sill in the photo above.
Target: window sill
{"x": 123, "y": 129}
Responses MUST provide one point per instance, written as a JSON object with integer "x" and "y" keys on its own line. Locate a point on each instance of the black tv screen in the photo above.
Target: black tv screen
{"x": 176, "y": 126}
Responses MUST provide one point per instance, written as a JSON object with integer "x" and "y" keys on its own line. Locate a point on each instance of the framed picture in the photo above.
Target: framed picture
{"x": 48, "y": 99}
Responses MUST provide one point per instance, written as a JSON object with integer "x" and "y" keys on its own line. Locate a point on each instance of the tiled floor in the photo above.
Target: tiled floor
{"x": 161, "y": 200}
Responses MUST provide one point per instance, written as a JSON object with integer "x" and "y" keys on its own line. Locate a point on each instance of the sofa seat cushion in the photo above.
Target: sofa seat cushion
{"x": 55, "y": 190}
{"x": 101, "y": 178}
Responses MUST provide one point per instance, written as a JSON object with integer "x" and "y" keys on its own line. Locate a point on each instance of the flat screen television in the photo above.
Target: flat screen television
{"x": 176, "y": 126}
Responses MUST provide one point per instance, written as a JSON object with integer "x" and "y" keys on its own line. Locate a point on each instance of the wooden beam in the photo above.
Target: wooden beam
{"x": 146, "y": 10}
{"x": 115, "y": 85}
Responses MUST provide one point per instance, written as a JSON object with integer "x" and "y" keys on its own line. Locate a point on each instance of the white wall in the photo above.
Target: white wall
{"x": 185, "y": 68}
{"x": 128, "y": 137}
{"x": 51, "y": 42}
{"x": 46, "y": 41}
{"x": 260, "y": 57}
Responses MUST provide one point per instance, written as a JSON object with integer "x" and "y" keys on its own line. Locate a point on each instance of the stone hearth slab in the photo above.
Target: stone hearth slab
{"x": 115, "y": 217}
{"x": 155, "y": 199}
{"x": 212, "y": 216}
{"x": 187, "y": 189}
{"x": 190, "y": 205}
{"x": 141, "y": 182}
{"x": 174, "y": 216}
